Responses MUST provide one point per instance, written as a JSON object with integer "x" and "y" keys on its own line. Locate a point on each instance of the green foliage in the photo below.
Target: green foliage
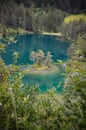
{"x": 75, "y": 83}
{"x": 15, "y": 57}
{"x": 48, "y": 59}
{"x": 2, "y": 47}
{"x": 3, "y": 72}
{"x": 24, "y": 108}
{"x": 65, "y": 5}
{"x": 76, "y": 94}
{"x": 81, "y": 42}
{"x": 46, "y": 19}
{"x": 4, "y": 31}
{"x": 40, "y": 59}
{"x": 72, "y": 29}
{"x": 77, "y": 50}
{"x": 73, "y": 18}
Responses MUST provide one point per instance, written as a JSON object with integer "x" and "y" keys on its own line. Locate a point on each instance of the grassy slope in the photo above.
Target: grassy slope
{"x": 72, "y": 18}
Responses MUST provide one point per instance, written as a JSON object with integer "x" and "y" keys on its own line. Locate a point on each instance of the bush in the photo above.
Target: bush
{"x": 24, "y": 108}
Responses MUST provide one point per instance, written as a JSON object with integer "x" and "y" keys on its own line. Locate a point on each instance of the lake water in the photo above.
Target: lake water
{"x": 34, "y": 42}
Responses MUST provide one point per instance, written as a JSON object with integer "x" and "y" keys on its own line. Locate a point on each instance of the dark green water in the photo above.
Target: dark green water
{"x": 28, "y": 43}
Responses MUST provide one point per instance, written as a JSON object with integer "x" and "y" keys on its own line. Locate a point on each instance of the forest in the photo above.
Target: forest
{"x": 26, "y": 108}
{"x": 65, "y": 5}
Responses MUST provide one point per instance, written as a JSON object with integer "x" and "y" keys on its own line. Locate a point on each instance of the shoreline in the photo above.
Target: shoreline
{"x": 42, "y": 70}
{"x": 44, "y": 33}
{"x": 51, "y": 33}
{"x": 21, "y": 31}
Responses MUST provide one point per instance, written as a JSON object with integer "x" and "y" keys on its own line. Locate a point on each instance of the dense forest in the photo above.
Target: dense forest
{"x": 26, "y": 108}
{"x": 32, "y": 19}
{"x": 72, "y": 6}
{"x": 29, "y": 16}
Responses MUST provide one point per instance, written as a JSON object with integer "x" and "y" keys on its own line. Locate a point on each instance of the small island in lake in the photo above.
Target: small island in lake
{"x": 41, "y": 64}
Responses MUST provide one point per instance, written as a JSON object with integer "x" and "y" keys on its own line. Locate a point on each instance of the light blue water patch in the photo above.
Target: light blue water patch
{"x": 35, "y": 42}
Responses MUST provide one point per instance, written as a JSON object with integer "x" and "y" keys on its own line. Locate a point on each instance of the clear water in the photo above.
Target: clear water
{"x": 46, "y": 81}
{"x": 28, "y": 43}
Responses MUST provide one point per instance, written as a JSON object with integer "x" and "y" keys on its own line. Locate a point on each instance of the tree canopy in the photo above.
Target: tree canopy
{"x": 73, "y": 6}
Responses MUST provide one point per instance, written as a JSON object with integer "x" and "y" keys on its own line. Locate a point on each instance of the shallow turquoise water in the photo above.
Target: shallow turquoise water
{"x": 47, "y": 80}
{"x": 28, "y": 43}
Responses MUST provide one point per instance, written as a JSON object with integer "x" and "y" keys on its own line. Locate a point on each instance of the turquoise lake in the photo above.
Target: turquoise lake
{"x": 34, "y": 42}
